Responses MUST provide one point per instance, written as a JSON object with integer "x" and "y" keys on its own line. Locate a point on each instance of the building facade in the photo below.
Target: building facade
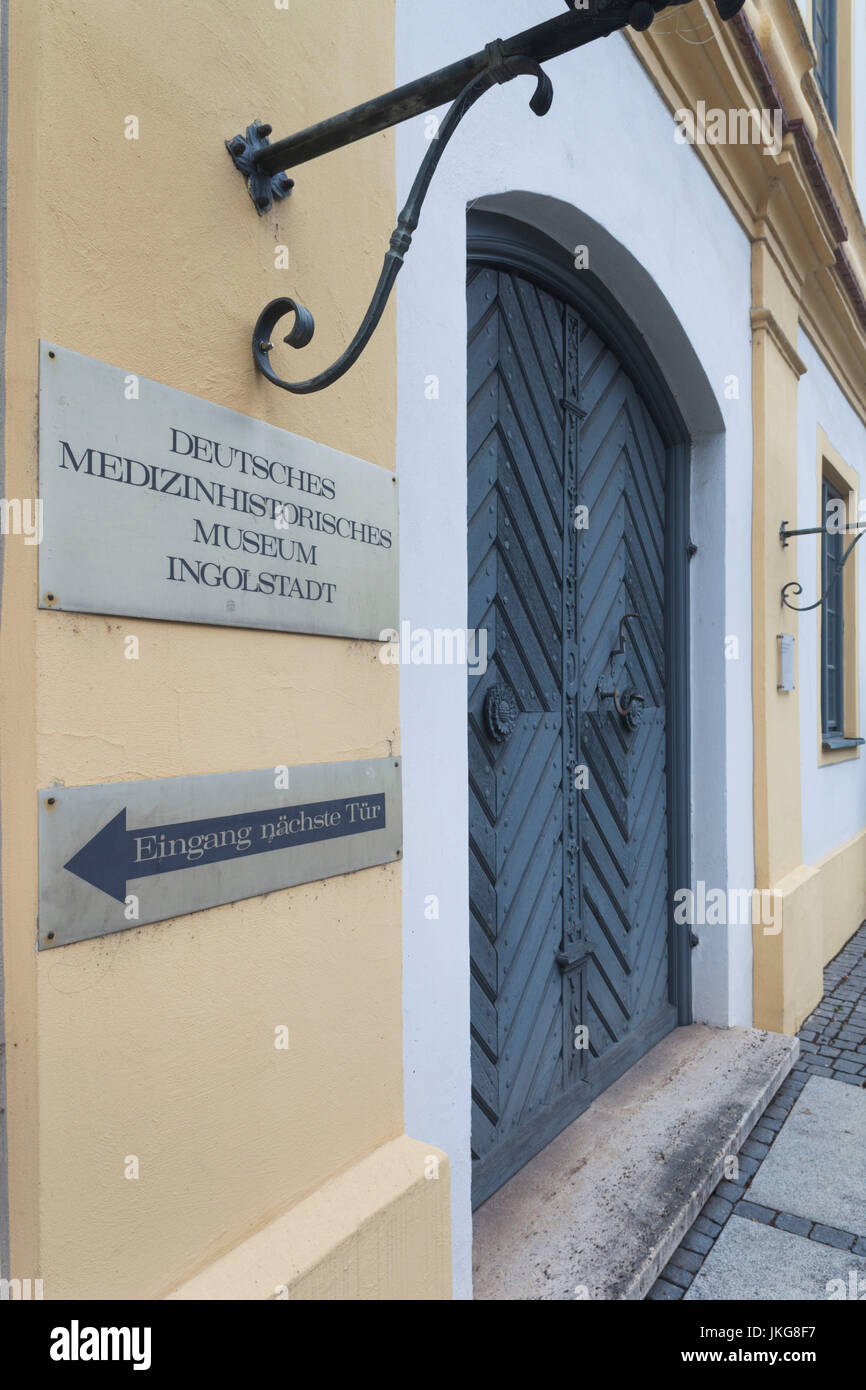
{"x": 628, "y": 346}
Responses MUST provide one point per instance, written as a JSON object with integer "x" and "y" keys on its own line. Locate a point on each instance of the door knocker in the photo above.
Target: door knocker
{"x": 500, "y": 712}
{"x": 628, "y": 707}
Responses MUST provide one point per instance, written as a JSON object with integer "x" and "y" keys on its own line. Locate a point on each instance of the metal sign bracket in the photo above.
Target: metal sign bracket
{"x": 461, "y": 83}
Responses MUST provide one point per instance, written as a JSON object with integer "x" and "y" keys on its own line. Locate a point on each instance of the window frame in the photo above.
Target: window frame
{"x": 832, "y": 621}
{"x": 834, "y": 747}
{"x": 825, "y": 36}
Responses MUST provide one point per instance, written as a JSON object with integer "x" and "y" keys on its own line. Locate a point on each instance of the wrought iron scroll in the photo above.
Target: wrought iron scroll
{"x": 796, "y": 588}
{"x": 500, "y": 69}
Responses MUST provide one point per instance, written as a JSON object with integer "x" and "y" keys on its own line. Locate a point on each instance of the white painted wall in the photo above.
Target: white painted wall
{"x": 834, "y": 795}
{"x": 607, "y": 150}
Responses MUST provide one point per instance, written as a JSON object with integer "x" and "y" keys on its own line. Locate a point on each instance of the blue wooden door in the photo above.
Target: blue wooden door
{"x": 568, "y": 831}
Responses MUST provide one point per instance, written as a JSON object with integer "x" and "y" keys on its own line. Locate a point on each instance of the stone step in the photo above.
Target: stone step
{"x": 599, "y": 1212}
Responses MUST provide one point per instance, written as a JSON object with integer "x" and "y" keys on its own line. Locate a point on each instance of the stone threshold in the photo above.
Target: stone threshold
{"x": 599, "y": 1212}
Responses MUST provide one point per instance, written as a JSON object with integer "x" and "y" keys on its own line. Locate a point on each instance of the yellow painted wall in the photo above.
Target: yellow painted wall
{"x": 789, "y": 960}
{"x": 377, "y": 1231}
{"x": 778, "y": 840}
{"x": 843, "y": 886}
{"x": 819, "y": 908}
{"x": 148, "y": 254}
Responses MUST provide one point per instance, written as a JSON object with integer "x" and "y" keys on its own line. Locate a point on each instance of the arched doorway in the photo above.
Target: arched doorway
{"x": 578, "y": 731}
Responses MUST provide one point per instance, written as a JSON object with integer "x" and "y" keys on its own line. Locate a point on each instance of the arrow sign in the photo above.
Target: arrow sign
{"x": 116, "y": 854}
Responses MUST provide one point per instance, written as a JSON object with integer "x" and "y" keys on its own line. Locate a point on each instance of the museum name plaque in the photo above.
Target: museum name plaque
{"x": 118, "y": 855}
{"x": 158, "y": 504}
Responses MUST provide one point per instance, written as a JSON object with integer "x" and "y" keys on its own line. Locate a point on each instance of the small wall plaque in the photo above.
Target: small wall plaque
{"x": 787, "y": 662}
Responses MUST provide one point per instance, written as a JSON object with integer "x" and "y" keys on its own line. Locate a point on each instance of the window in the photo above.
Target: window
{"x": 824, "y": 35}
{"x": 833, "y": 619}
{"x": 837, "y": 661}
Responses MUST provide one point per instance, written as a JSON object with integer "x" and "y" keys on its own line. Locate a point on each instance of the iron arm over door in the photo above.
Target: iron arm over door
{"x": 463, "y": 83}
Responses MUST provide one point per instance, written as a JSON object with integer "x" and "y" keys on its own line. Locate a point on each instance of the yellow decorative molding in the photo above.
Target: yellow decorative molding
{"x": 765, "y": 319}
{"x": 793, "y": 200}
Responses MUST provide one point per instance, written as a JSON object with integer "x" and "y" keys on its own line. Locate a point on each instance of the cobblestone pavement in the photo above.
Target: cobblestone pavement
{"x": 832, "y": 1045}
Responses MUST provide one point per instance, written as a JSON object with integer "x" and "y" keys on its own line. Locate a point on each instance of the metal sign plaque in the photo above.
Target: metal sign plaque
{"x": 122, "y": 854}
{"x": 157, "y": 504}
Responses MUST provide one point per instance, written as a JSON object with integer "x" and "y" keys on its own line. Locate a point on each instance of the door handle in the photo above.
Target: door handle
{"x": 625, "y": 707}
{"x": 628, "y": 705}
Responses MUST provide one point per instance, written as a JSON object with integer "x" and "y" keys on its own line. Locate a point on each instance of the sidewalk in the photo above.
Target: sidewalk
{"x": 791, "y": 1224}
